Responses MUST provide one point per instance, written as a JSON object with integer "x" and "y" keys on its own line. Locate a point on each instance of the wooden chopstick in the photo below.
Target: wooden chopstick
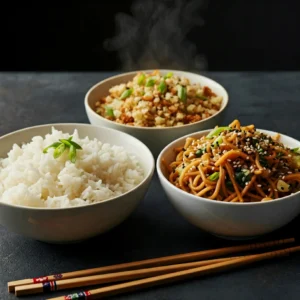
{"x": 178, "y": 258}
{"x": 176, "y": 276}
{"x": 110, "y": 277}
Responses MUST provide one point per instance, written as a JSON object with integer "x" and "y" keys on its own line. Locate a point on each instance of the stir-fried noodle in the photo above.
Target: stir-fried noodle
{"x": 236, "y": 164}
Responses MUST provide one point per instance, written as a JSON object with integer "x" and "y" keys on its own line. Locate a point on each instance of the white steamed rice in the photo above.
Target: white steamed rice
{"x": 29, "y": 177}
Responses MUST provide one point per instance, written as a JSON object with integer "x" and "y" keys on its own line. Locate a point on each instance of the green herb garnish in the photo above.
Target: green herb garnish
{"x": 61, "y": 146}
{"x": 54, "y": 145}
{"x": 59, "y": 150}
{"x": 200, "y": 152}
{"x": 242, "y": 177}
{"x": 109, "y": 112}
{"x": 214, "y": 176}
{"x": 162, "y": 87}
{"x": 150, "y": 81}
{"x": 181, "y": 92}
{"x": 217, "y": 142}
{"x": 141, "y": 79}
{"x": 217, "y": 131}
{"x": 126, "y": 94}
{"x": 296, "y": 150}
{"x": 168, "y": 75}
{"x": 72, "y": 154}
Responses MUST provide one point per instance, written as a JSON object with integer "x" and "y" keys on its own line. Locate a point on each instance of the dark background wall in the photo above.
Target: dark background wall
{"x": 113, "y": 35}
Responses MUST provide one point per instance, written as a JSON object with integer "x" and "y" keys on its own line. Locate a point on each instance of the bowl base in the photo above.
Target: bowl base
{"x": 237, "y": 238}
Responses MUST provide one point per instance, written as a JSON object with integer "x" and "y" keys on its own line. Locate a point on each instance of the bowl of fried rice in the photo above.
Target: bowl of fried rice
{"x": 156, "y": 106}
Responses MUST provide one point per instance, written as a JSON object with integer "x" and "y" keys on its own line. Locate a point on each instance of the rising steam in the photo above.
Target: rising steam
{"x": 155, "y": 35}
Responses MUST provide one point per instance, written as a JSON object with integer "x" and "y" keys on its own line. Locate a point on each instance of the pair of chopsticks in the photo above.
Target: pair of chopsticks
{"x": 148, "y": 273}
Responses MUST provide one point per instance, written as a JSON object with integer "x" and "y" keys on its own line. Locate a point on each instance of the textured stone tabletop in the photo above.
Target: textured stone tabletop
{"x": 269, "y": 100}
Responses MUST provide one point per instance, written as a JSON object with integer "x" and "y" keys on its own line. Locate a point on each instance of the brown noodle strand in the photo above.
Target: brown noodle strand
{"x": 231, "y": 175}
{"x": 235, "y": 164}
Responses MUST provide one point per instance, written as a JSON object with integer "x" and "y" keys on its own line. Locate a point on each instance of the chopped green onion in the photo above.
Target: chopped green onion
{"x": 126, "y": 94}
{"x": 72, "y": 154}
{"x": 296, "y": 150}
{"x": 62, "y": 145}
{"x": 200, "y": 152}
{"x": 66, "y": 142}
{"x": 75, "y": 145}
{"x": 59, "y": 150}
{"x": 109, "y": 112}
{"x": 214, "y": 176}
{"x": 150, "y": 81}
{"x": 162, "y": 87}
{"x": 282, "y": 186}
{"x": 201, "y": 97}
{"x": 54, "y": 145}
{"x": 217, "y": 131}
{"x": 141, "y": 79}
{"x": 217, "y": 142}
{"x": 182, "y": 93}
{"x": 243, "y": 176}
{"x": 168, "y": 75}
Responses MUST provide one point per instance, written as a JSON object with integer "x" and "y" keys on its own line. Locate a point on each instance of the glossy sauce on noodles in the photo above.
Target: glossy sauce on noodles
{"x": 236, "y": 164}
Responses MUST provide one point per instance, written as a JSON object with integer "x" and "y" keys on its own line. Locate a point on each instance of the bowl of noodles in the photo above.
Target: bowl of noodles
{"x": 233, "y": 181}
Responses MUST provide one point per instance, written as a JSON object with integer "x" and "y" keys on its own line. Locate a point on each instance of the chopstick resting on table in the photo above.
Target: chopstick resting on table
{"x": 53, "y": 286}
{"x": 177, "y": 276}
{"x": 153, "y": 262}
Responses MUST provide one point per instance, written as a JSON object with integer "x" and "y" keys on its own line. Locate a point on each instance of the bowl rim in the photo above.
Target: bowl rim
{"x": 89, "y": 109}
{"x": 147, "y": 176}
{"x": 165, "y": 181}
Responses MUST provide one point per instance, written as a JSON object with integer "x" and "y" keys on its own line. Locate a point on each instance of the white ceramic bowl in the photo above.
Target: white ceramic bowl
{"x": 155, "y": 138}
{"x": 226, "y": 219}
{"x": 65, "y": 225}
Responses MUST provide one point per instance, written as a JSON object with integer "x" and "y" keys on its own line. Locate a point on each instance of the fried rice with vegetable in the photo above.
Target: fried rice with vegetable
{"x": 154, "y": 100}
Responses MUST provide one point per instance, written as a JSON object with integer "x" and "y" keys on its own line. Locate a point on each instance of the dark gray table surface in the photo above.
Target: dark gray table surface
{"x": 269, "y": 100}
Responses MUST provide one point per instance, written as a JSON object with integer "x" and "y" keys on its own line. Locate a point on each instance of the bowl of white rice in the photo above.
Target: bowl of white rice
{"x": 63, "y": 183}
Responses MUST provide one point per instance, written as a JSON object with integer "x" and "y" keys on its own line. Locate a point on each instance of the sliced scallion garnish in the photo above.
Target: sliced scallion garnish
{"x": 150, "y": 81}
{"x": 59, "y": 150}
{"x": 217, "y": 131}
{"x": 214, "y": 176}
{"x": 61, "y": 146}
{"x": 141, "y": 79}
{"x": 162, "y": 87}
{"x": 168, "y": 75}
{"x": 126, "y": 94}
{"x": 109, "y": 112}
{"x": 54, "y": 145}
{"x": 181, "y": 91}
